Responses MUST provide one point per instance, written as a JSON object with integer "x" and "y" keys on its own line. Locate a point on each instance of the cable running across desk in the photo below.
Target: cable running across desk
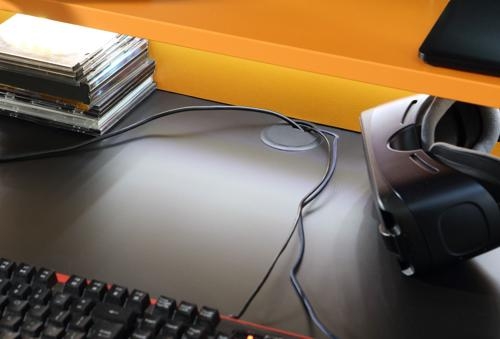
{"x": 306, "y": 200}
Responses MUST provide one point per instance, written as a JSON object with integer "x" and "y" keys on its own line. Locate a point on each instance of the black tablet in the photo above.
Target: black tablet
{"x": 466, "y": 36}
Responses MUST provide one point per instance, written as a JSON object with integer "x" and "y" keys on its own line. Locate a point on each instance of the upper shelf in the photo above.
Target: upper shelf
{"x": 373, "y": 41}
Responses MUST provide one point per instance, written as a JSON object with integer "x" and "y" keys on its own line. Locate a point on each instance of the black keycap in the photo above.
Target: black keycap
{"x": 6, "y": 268}
{"x": 32, "y": 328}
{"x": 138, "y": 301}
{"x": 60, "y": 302}
{"x": 116, "y": 295}
{"x": 95, "y": 290}
{"x": 23, "y": 274}
{"x": 4, "y": 286}
{"x": 151, "y": 323}
{"x": 75, "y": 335}
{"x": 81, "y": 323}
{"x": 38, "y": 312}
{"x": 4, "y": 300}
{"x": 174, "y": 328}
{"x": 142, "y": 334}
{"x": 82, "y": 306}
{"x": 17, "y": 307}
{"x": 208, "y": 316}
{"x": 186, "y": 311}
{"x": 10, "y": 322}
{"x": 106, "y": 330}
{"x": 52, "y": 332}
{"x": 115, "y": 314}
{"x": 164, "y": 307}
{"x": 40, "y": 296}
{"x": 45, "y": 278}
{"x": 59, "y": 319}
{"x": 196, "y": 332}
{"x": 222, "y": 336}
{"x": 75, "y": 286}
{"x": 20, "y": 291}
{"x": 10, "y": 335}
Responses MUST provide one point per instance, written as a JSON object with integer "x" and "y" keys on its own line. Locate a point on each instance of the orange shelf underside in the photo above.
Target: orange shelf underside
{"x": 369, "y": 41}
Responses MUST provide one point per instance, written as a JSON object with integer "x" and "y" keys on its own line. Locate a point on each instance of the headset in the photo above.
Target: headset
{"x": 435, "y": 183}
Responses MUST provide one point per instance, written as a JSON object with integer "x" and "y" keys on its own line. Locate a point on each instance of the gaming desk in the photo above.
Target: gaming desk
{"x": 195, "y": 207}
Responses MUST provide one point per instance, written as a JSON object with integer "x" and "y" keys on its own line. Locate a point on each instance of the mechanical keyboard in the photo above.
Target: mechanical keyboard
{"x": 40, "y": 303}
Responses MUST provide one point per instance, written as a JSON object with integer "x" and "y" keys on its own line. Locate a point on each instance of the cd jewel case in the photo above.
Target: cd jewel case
{"x": 70, "y": 76}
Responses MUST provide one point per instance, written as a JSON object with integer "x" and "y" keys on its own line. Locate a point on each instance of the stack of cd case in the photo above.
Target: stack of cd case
{"x": 70, "y": 76}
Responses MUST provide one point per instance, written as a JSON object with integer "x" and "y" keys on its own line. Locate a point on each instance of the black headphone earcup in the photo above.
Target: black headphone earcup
{"x": 479, "y": 165}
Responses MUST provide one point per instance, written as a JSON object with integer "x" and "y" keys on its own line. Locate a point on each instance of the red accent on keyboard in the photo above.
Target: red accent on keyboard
{"x": 62, "y": 278}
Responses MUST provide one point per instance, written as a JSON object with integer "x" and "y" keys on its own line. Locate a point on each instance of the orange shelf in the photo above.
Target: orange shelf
{"x": 372, "y": 41}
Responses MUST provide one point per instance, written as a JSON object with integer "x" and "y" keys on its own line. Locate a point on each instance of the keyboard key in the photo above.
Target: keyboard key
{"x": 45, "y": 278}
{"x": 31, "y": 328}
{"x": 7, "y": 267}
{"x": 106, "y": 330}
{"x": 20, "y": 291}
{"x": 174, "y": 328}
{"x": 59, "y": 319}
{"x": 208, "y": 316}
{"x": 61, "y": 302}
{"x": 40, "y": 296}
{"x": 17, "y": 307}
{"x": 151, "y": 323}
{"x": 164, "y": 307}
{"x": 116, "y": 295}
{"x": 82, "y": 306}
{"x": 186, "y": 311}
{"x": 53, "y": 332}
{"x": 142, "y": 334}
{"x": 38, "y": 312}
{"x": 75, "y": 286}
{"x": 81, "y": 323}
{"x": 95, "y": 290}
{"x": 195, "y": 332}
{"x": 75, "y": 335}
{"x": 115, "y": 314}
{"x": 3, "y": 302}
{"x": 4, "y": 286}
{"x": 10, "y": 322}
{"x": 9, "y": 335}
{"x": 138, "y": 301}
{"x": 23, "y": 273}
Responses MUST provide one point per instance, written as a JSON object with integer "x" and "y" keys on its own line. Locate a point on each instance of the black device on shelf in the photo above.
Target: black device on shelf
{"x": 436, "y": 186}
{"x": 466, "y": 36}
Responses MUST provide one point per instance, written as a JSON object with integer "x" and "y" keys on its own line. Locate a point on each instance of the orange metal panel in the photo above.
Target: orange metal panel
{"x": 366, "y": 40}
{"x": 309, "y": 96}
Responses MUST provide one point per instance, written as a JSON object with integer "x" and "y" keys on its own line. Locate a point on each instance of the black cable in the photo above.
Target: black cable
{"x": 298, "y": 261}
{"x": 64, "y": 150}
{"x": 308, "y": 198}
{"x": 304, "y": 201}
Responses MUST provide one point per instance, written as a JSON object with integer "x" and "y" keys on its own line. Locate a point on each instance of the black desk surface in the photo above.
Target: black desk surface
{"x": 195, "y": 207}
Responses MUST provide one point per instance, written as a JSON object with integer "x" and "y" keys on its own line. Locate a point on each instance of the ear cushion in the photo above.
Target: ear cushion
{"x": 442, "y": 123}
{"x": 463, "y": 125}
